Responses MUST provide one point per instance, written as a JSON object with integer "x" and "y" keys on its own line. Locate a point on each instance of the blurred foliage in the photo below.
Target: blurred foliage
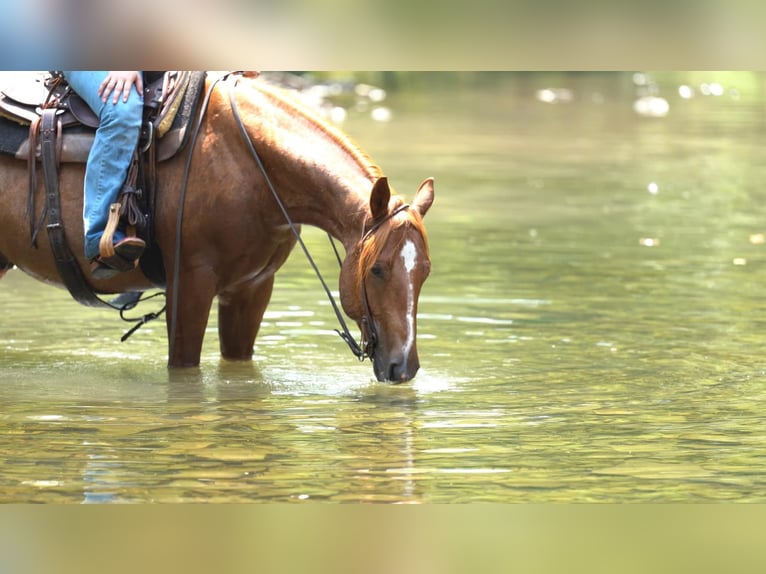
{"x": 746, "y": 82}
{"x": 489, "y": 34}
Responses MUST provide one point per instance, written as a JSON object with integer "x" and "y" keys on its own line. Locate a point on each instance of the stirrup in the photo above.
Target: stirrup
{"x": 124, "y": 257}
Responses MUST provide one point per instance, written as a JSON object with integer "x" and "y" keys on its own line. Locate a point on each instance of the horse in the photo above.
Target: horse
{"x": 240, "y": 223}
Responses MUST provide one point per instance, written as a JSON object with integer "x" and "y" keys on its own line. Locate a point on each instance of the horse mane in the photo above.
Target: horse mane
{"x": 373, "y": 245}
{"x": 290, "y": 103}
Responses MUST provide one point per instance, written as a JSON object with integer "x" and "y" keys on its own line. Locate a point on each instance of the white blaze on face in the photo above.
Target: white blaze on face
{"x": 409, "y": 256}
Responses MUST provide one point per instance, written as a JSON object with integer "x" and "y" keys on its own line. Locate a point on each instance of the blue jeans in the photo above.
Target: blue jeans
{"x": 109, "y": 159}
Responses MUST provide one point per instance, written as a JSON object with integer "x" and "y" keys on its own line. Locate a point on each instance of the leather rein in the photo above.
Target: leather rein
{"x": 366, "y": 347}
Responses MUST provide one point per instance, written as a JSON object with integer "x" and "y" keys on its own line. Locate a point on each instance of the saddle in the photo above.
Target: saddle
{"x": 61, "y": 128}
{"x": 28, "y": 94}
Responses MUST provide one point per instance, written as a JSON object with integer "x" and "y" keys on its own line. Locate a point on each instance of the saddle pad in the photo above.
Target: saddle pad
{"x": 77, "y": 140}
{"x": 13, "y": 136}
{"x": 175, "y": 138}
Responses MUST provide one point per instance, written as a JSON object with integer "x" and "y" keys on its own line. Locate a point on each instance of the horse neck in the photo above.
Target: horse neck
{"x": 331, "y": 202}
{"x": 321, "y": 177}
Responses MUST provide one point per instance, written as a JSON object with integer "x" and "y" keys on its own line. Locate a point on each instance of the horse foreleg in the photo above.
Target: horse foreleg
{"x": 239, "y": 317}
{"x": 192, "y": 309}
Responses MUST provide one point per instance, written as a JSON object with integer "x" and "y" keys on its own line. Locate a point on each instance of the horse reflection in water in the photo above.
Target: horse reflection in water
{"x": 234, "y": 236}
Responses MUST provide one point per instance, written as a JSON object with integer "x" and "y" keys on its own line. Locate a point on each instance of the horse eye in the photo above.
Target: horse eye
{"x": 377, "y": 270}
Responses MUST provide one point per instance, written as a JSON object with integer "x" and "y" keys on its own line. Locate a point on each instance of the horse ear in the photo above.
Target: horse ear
{"x": 379, "y": 198}
{"x": 424, "y": 196}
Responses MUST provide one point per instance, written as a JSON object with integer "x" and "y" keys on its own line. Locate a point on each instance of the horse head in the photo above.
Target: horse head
{"x": 382, "y": 276}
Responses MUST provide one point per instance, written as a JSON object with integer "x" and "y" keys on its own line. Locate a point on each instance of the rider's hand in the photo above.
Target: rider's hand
{"x": 120, "y": 83}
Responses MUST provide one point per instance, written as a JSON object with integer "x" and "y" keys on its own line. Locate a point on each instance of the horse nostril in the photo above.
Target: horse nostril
{"x": 397, "y": 373}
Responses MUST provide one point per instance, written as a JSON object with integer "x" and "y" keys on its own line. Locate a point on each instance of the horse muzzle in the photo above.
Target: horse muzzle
{"x": 395, "y": 369}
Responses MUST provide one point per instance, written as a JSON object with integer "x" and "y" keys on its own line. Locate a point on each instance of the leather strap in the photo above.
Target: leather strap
{"x": 66, "y": 263}
{"x": 34, "y": 131}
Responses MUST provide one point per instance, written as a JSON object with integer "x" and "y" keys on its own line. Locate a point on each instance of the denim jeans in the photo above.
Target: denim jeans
{"x": 109, "y": 159}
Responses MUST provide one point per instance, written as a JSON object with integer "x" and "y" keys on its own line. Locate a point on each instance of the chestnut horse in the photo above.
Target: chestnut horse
{"x": 234, "y": 235}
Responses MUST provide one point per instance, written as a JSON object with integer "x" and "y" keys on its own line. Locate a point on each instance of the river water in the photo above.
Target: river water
{"x": 592, "y": 330}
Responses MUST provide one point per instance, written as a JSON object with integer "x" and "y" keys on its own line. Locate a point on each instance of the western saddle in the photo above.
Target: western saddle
{"x": 61, "y": 129}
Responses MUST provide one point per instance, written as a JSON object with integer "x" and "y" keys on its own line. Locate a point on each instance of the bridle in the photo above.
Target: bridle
{"x": 369, "y": 333}
{"x": 366, "y": 347}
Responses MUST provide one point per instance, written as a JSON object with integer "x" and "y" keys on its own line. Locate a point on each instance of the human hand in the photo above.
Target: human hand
{"x": 120, "y": 83}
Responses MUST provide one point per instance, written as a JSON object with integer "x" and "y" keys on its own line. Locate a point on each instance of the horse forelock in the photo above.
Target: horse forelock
{"x": 373, "y": 245}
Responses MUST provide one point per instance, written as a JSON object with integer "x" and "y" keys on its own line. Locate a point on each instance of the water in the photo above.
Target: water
{"x": 591, "y": 331}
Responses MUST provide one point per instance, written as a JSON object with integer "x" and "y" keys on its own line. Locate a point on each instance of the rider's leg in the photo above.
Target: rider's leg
{"x": 110, "y": 156}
